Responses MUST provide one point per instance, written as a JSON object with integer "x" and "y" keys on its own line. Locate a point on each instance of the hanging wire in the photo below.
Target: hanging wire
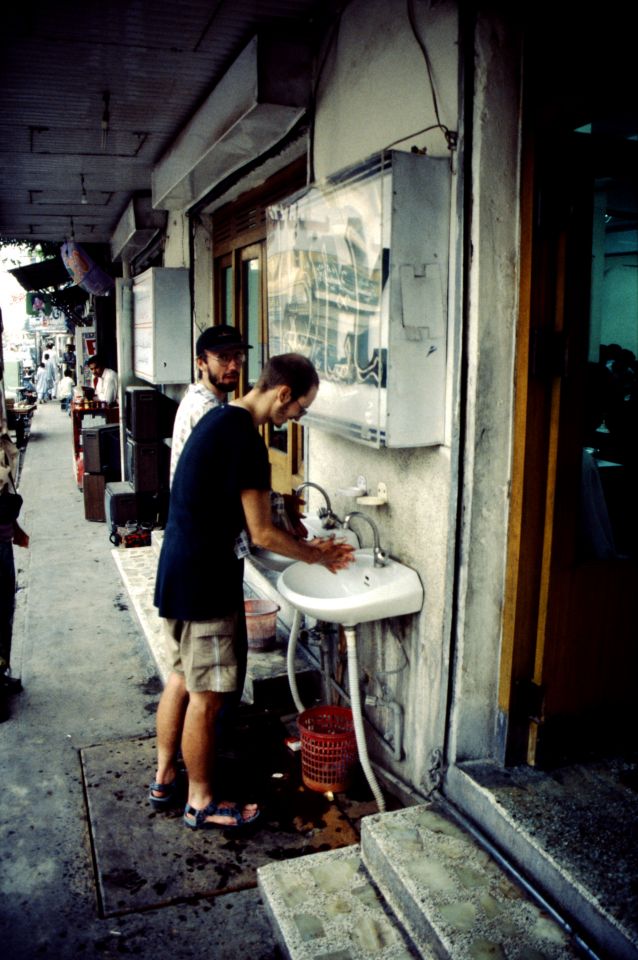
{"x": 451, "y": 136}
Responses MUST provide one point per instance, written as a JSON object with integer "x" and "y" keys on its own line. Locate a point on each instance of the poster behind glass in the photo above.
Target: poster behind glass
{"x": 326, "y": 276}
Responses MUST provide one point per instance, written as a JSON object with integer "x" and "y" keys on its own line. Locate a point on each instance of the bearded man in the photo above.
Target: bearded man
{"x": 220, "y": 354}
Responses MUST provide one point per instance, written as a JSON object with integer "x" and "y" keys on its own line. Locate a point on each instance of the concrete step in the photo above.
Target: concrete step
{"x": 325, "y": 907}
{"x": 417, "y": 886}
{"x": 267, "y": 677}
{"x": 443, "y": 885}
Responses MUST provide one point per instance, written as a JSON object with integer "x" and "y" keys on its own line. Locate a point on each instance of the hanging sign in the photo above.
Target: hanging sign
{"x": 84, "y": 272}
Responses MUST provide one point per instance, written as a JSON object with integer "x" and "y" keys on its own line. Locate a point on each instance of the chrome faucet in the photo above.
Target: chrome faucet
{"x": 380, "y": 556}
{"x": 329, "y": 518}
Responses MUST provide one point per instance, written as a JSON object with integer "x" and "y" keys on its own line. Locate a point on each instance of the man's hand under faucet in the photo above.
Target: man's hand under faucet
{"x": 337, "y": 553}
{"x": 330, "y": 552}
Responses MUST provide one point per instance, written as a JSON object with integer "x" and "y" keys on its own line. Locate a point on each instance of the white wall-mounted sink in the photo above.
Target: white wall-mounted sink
{"x": 277, "y": 561}
{"x": 357, "y": 594}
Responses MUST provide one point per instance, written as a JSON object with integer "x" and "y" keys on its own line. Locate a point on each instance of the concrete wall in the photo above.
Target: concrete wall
{"x": 490, "y": 335}
{"x": 178, "y": 253}
{"x": 375, "y": 90}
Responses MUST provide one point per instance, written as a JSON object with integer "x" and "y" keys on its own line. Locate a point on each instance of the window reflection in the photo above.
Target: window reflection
{"x": 252, "y": 292}
{"x": 610, "y": 474}
{"x": 227, "y": 308}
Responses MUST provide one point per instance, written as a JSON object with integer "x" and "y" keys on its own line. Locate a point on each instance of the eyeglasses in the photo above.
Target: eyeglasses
{"x": 302, "y": 411}
{"x": 224, "y": 359}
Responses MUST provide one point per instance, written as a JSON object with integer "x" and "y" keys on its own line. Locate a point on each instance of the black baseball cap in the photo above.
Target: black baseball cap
{"x": 218, "y": 338}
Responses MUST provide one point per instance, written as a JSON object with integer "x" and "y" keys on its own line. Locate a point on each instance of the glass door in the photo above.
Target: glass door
{"x": 241, "y": 299}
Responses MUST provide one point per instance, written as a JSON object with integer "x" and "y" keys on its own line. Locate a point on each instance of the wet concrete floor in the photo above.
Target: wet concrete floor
{"x": 86, "y": 715}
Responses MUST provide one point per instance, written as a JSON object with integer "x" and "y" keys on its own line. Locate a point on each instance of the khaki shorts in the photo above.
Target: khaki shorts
{"x": 204, "y": 652}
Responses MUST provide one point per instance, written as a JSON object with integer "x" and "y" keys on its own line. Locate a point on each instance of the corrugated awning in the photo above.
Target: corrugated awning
{"x": 43, "y": 275}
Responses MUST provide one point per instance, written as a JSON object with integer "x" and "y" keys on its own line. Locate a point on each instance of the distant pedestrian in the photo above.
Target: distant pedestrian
{"x": 66, "y": 387}
{"x": 69, "y": 359}
{"x": 41, "y": 383}
{"x": 52, "y": 375}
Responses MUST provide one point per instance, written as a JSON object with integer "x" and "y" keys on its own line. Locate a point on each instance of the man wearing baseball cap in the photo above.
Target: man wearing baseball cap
{"x": 220, "y": 354}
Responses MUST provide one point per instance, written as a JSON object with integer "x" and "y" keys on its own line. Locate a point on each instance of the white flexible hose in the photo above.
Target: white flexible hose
{"x": 292, "y": 648}
{"x": 357, "y": 716}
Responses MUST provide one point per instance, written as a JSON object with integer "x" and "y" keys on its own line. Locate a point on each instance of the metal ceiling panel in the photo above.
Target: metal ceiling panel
{"x": 100, "y": 91}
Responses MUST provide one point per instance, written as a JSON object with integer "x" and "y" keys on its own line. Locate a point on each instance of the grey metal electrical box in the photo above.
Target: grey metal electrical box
{"x": 161, "y": 326}
{"x": 358, "y": 282}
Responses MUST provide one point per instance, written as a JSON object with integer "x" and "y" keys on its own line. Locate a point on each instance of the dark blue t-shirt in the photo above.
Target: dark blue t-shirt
{"x": 198, "y": 575}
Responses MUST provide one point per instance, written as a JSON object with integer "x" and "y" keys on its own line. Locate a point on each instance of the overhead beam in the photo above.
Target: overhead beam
{"x": 257, "y": 101}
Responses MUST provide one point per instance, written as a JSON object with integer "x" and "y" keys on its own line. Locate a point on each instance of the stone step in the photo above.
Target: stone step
{"x": 418, "y": 885}
{"x": 443, "y": 885}
{"x": 325, "y": 906}
{"x": 267, "y": 677}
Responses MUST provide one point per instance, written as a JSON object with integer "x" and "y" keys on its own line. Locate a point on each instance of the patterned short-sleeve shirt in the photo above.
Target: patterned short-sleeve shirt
{"x": 197, "y": 401}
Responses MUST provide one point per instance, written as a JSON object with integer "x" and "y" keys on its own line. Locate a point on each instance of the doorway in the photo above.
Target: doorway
{"x": 570, "y": 663}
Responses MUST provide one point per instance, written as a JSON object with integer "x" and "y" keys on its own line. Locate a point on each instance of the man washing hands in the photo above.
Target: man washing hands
{"x": 221, "y": 484}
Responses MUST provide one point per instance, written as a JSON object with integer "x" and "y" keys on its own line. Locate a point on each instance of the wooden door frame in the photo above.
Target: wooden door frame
{"x": 540, "y": 352}
{"x": 522, "y": 582}
{"x": 552, "y": 355}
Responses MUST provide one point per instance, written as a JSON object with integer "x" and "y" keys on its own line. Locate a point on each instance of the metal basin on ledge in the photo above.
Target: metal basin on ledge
{"x": 357, "y": 594}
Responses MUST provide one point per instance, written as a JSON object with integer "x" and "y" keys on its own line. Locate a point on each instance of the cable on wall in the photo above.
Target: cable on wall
{"x": 451, "y": 136}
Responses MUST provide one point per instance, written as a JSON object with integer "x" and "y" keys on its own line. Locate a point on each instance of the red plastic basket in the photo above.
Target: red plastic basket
{"x": 328, "y": 748}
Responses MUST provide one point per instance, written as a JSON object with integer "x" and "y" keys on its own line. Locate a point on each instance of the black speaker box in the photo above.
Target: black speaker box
{"x": 101, "y": 446}
{"x": 148, "y": 414}
{"x": 141, "y": 413}
{"x": 123, "y": 505}
{"x": 120, "y": 504}
{"x": 144, "y": 462}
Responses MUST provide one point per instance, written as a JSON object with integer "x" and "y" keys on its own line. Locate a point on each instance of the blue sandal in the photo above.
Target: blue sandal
{"x": 168, "y": 791}
{"x": 198, "y": 819}
{"x": 226, "y": 809}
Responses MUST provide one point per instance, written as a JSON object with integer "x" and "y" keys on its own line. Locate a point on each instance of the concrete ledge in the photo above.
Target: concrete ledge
{"x": 264, "y": 583}
{"x": 267, "y": 674}
{"x": 446, "y": 889}
{"x": 137, "y": 567}
{"x": 466, "y": 787}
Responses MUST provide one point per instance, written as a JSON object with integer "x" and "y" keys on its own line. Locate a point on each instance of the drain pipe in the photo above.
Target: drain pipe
{"x": 357, "y": 715}
{"x": 290, "y": 660}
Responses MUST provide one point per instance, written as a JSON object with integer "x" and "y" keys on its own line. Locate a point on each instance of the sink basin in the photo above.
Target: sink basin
{"x": 277, "y": 561}
{"x": 357, "y": 594}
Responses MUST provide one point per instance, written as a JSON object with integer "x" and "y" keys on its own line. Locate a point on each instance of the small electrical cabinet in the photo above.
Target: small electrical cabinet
{"x": 161, "y": 325}
{"x": 358, "y": 283}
